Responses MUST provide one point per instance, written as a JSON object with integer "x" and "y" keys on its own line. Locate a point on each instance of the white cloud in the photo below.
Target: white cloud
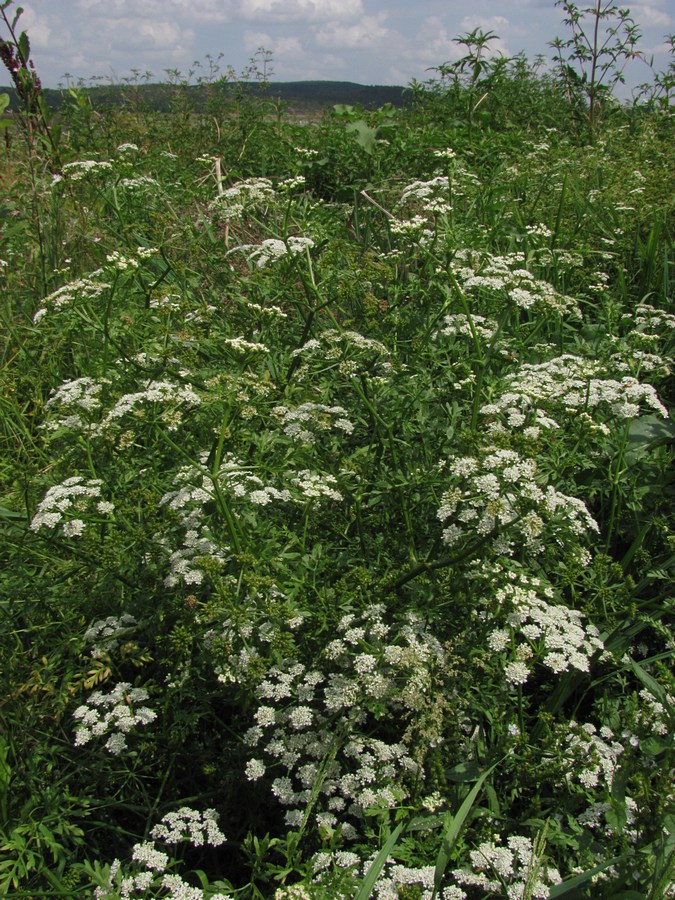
{"x": 38, "y": 28}
{"x": 148, "y": 34}
{"x": 431, "y": 46}
{"x": 280, "y": 46}
{"x": 646, "y": 15}
{"x": 369, "y": 32}
{"x": 187, "y": 11}
{"x": 301, "y": 10}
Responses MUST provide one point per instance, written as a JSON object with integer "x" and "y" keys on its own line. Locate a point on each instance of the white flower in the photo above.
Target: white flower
{"x": 516, "y": 673}
{"x": 74, "y": 528}
{"x": 300, "y": 717}
{"x": 148, "y": 854}
{"x": 255, "y": 769}
{"x": 265, "y": 716}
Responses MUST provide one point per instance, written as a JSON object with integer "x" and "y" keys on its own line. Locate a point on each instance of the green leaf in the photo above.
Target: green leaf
{"x": 648, "y": 432}
{"x": 568, "y": 888}
{"x": 17, "y": 16}
{"x": 654, "y": 688}
{"x": 373, "y": 872}
{"x": 453, "y": 826}
{"x": 467, "y": 771}
{"x": 24, "y": 46}
{"x": 364, "y": 134}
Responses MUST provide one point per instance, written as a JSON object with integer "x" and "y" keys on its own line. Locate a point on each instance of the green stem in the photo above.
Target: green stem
{"x": 615, "y": 479}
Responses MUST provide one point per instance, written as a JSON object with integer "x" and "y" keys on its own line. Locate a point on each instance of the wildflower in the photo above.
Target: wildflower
{"x": 115, "y": 713}
{"x": 255, "y": 769}
{"x": 186, "y": 824}
{"x": 148, "y": 855}
{"x": 273, "y": 249}
{"x": 516, "y": 673}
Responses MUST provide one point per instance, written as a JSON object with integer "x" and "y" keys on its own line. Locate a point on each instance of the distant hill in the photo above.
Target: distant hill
{"x": 299, "y": 95}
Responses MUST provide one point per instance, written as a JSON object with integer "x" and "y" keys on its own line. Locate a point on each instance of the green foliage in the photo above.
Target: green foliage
{"x": 336, "y": 495}
{"x": 591, "y": 61}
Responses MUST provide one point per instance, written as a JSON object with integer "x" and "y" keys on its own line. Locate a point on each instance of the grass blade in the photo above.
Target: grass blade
{"x": 453, "y": 826}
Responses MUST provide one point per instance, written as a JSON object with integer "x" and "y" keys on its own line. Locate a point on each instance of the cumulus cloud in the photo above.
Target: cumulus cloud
{"x": 499, "y": 26}
{"x": 147, "y": 34}
{"x": 301, "y": 10}
{"x": 368, "y": 32}
{"x": 281, "y": 46}
{"x": 646, "y": 14}
{"x": 39, "y": 28}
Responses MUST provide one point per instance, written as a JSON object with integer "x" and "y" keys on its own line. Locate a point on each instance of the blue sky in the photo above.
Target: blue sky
{"x": 367, "y": 41}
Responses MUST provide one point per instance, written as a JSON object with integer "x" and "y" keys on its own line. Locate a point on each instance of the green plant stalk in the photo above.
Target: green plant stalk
{"x": 483, "y": 359}
{"x": 615, "y": 480}
{"x": 362, "y": 391}
{"x": 223, "y": 505}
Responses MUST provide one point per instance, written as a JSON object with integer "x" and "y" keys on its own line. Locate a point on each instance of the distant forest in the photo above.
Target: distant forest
{"x": 305, "y": 96}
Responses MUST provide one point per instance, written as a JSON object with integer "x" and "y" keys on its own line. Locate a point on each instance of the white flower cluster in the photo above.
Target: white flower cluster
{"x": 411, "y": 227}
{"x": 505, "y": 276}
{"x": 508, "y": 870}
{"x": 106, "y": 634}
{"x": 649, "y": 320}
{"x": 273, "y": 249}
{"x": 421, "y": 190}
{"x": 497, "y": 495}
{"x": 242, "y": 197}
{"x": 314, "y": 486}
{"x": 83, "y": 289}
{"x": 538, "y": 231}
{"x": 139, "y": 183}
{"x": 240, "y": 345}
{"x": 460, "y": 324}
{"x": 305, "y": 422}
{"x": 82, "y": 393}
{"x": 170, "y": 303}
{"x": 319, "y": 725}
{"x": 64, "y": 503}
{"x": 352, "y": 352}
{"x": 420, "y": 879}
{"x": 114, "y": 714}
{"x": 539, "y": 630}
{"x": 174, "y": 396}
{"x": 570, "y": 384}
{"x": 72, "y": 398}
{"x": 653, "y": 714}
{"x": 291, "y": 184}
{"x": 194, "y": 490}
{"x": 240, "y": 644}
{"x": 120, "y": 262}
{"x": 80, "y": 169}
{"x": 184, "y": 826}
{"x": 594, "y": 756}
{"x": 448, "y": 153}
{"x": 393, "y": 876}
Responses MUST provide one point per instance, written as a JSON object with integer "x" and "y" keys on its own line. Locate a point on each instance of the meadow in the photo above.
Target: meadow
{"x": 336, "y": 490}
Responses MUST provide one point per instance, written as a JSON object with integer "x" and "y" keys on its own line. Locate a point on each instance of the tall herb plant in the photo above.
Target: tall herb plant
{"x": 591, "y": 61}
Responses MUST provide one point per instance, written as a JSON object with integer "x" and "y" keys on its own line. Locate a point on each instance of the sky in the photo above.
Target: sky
{"x": 365, "y": 41}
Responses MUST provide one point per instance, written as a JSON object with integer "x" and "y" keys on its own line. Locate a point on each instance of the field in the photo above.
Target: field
{"x": 336, "y": 494}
